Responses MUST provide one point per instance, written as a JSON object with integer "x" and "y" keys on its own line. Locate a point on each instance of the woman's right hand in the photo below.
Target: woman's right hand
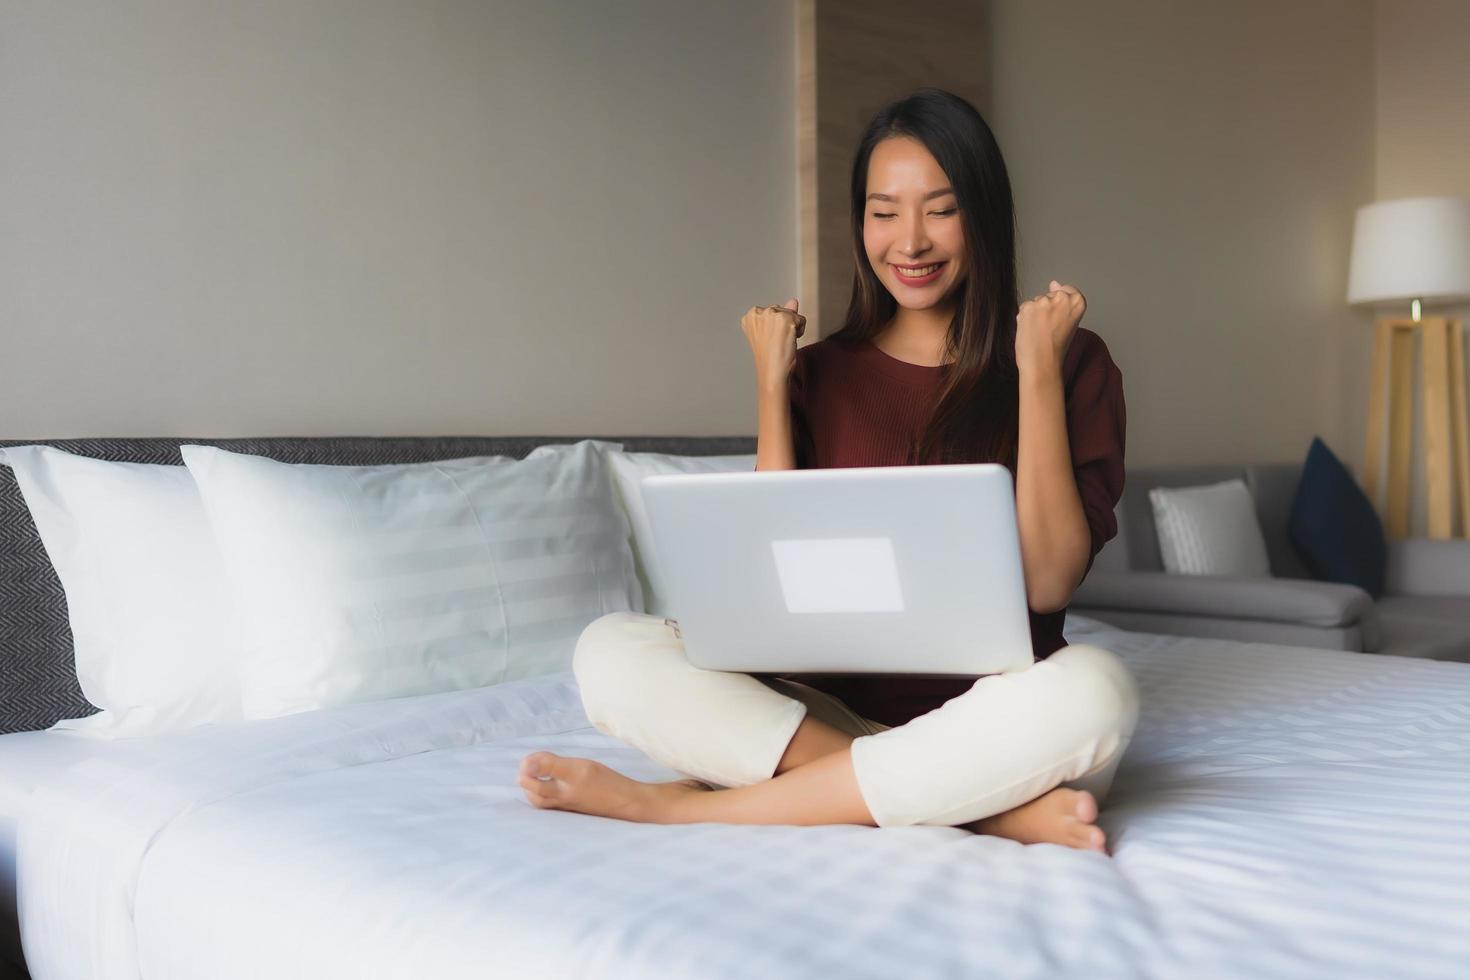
{"x": 772, "y": 333}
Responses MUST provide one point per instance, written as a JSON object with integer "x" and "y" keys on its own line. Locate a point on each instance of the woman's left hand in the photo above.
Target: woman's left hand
{"x": 1044, "y": 328}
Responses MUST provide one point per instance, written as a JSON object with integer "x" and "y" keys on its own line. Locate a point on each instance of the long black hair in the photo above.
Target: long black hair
{"x": 975, "y": 415}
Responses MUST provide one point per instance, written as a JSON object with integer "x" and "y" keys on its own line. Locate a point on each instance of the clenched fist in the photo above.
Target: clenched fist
{"x": 772, "y": 333}
{"x": 1044, "y": 328}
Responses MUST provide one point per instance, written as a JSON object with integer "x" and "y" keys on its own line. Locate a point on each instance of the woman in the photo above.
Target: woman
{"x": 936, "y": 362}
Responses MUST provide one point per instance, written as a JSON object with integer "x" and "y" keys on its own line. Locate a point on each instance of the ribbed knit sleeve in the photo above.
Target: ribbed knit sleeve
{"x": 1096, "y": 432}
{"x": 801, "y": 429}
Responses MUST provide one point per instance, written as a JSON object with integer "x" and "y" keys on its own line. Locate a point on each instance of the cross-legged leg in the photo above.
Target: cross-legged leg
{"x": 823, "y": 790}
{"x": 923, "y": 772}
{"x": 726, "y": 729}
{"x": 1060, "y": 816}
{"x": 814, "y": 739}
{"x": 637, "y": 685}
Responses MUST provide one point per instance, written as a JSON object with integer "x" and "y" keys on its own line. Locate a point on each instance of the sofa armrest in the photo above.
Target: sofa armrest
{"x": 1428, "y": 566}
{"x": 1279, "y": 600}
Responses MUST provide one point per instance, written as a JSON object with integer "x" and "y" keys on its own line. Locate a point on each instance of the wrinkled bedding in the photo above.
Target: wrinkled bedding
{"x": 1281, "y": 812}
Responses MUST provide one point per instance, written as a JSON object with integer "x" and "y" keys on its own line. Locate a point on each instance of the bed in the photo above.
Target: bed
{"x": 1281, "y": 812}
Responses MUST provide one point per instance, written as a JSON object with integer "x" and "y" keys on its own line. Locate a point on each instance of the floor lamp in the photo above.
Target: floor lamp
{"x": 1416, "y": 250}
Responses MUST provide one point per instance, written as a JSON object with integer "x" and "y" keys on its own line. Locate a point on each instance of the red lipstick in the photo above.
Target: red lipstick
{"x": 908, "y": 280}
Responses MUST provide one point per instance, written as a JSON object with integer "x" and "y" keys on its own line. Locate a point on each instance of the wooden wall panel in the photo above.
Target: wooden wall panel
{"x": 854, "y": 56}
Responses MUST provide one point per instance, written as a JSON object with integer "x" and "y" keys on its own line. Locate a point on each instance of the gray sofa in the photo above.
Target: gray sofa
{"x": 1424, "y": 611}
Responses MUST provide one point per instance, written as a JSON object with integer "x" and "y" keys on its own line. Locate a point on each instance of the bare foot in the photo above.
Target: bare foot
{"x": 1062, "y": 816}
{"x": 585, "y": 786}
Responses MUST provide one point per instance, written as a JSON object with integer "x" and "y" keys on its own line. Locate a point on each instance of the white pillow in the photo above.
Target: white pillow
{"x": 628, "y": 469}
{"x": 150, "y": 613}
{"x": 1210, "y": 530}
{"x": 355, "y": 583}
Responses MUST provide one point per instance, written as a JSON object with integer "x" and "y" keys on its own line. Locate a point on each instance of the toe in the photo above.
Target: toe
{"x": 538, "y": 801}
{"x": 1085, "y": 806}
{"x": 533, "y": 788}
{"x": 543, "y": 796}
{"x": 537, "y": 765}
{"x": 1090, "y": 838}
{"x": 535, "y": 778}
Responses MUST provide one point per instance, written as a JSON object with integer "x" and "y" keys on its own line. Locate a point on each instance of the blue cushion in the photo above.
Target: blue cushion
{"x": 1333, "y": 525}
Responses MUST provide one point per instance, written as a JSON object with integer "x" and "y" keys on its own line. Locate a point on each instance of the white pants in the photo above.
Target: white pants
{"x": 1007, "y": 740}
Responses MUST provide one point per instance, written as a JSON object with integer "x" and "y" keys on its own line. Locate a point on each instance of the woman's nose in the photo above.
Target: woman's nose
{"x": 915, "y": 239}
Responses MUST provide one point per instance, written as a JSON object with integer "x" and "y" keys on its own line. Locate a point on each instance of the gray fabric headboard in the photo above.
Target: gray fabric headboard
{"x": 38, "y": 683}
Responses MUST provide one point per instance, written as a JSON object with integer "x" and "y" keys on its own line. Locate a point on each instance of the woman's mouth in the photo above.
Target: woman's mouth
{"x": 918, "y": 275}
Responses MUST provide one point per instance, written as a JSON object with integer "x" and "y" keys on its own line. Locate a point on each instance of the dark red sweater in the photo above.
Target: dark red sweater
{"x": 858, "y": 406}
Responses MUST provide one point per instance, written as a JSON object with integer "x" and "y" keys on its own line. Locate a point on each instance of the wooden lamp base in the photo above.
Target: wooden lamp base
{"x": 1446, "y": 443}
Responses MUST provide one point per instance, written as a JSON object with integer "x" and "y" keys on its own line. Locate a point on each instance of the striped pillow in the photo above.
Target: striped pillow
{"x": 628, "y": 470}
{"x": 355, "y": 583}
{"x": 1210, "y": 530}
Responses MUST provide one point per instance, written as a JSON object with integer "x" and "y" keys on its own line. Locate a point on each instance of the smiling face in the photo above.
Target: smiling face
{"x": 911, "y": 223}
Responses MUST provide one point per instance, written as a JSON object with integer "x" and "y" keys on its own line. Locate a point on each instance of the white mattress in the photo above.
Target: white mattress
{"x": 28, "y": 759}
{"x": 1281, "y": 812}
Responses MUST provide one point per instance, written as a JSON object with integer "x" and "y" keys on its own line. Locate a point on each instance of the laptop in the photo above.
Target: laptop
{"x": 850, "y": 570}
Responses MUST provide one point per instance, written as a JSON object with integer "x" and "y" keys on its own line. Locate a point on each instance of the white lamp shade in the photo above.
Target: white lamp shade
{"x": 1411, "y": 248}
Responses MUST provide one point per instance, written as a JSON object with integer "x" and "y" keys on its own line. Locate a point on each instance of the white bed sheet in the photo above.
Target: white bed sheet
{"x": 1281, "y": 812}
{"x": 28, "y": 759}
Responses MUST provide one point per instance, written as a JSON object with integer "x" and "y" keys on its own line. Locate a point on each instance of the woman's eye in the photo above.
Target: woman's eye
{"x": 942, "y": 214}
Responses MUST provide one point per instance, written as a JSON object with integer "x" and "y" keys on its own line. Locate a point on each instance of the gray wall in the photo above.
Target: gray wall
{"x": 463, "y": 216}
{"x": 377, "y": 217}
{"x": 1194, "y": 169}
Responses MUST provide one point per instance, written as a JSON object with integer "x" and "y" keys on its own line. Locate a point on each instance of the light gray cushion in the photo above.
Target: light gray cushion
{"x": 1412, "y": 631}
{"x": 1136, "y": 546}
{"x": 1209, "y": 530}
{"x": 1426, "y": 566}
{"x": 1226, "y": 597}
{"x": 1435, "y": 626}
{"x": 1452, "y": 610}
{"x": 1244, "y": 630}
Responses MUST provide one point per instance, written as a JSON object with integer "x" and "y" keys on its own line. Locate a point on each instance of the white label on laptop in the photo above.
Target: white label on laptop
{"x": 834, "y": 575}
